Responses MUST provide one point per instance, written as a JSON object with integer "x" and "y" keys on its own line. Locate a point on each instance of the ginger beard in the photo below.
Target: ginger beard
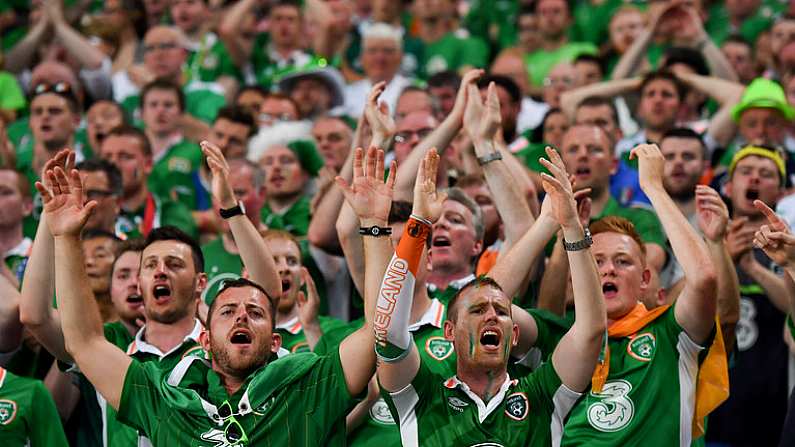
{"x": 241, "y": 341}
{"x": 483, "y": 333}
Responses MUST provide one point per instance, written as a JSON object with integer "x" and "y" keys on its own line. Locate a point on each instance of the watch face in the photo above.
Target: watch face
{"x": 375, "y": 231}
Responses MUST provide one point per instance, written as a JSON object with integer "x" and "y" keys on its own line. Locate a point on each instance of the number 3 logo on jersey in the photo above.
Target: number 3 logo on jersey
{"x": 614, "y": 410}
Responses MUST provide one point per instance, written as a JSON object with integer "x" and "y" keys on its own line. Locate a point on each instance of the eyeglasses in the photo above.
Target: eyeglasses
{"x": 164, "y": 46}
{"x": 269, "y": 118}
{"x": 405, "y": 135}
{"x": 565, "y": 81}
{"x": 233, "y": 431}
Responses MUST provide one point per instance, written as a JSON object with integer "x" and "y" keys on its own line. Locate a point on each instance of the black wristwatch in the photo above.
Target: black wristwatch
{"x": 582, "y": 244}
{"x": 236, "y": 210}
{"x": 375, "y": 231}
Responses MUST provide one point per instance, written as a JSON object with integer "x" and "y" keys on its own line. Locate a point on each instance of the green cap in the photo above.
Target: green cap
{"x": 766, "y": 94}
{"x": 307, "y": 155}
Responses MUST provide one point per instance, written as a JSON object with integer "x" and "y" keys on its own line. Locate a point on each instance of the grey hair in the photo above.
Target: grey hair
{"x": 257, "y": 173}
{"x": 458, "y": 195}
{"x": 382, "y": 30}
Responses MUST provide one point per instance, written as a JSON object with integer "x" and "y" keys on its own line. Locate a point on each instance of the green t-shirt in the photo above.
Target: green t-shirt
{"x": 294, "y": 338}
{"x": 219, "y": 265}
{"x": 294, "y": 220}
{"x": 155, "y": 213}
{"x": 443, "y": 411}
{"x": 650, "y": 388}
{"x": 202, "y": 101}
{"x": 646, "y": 222}
{"x": 438, "y": 354}
{"x": 297, "y": 400}
{"x": 211, "y": 60}
{"x": 452, "y": 52}
{"x": 28, "y": 416}
{"x": 540, "y": 62}
{"x": 120, "y": 434}
{"x": 173, "y": 176}
{"x": 11, "y": 96}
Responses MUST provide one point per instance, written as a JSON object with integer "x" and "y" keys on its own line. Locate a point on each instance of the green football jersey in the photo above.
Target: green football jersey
{"x": 210, "y": 60}
{"x": 118, "y": 434}
{"x": 649, "y": 396}
{"x": 172, "y": 174}
{"x": 220, "y": 265}
{"x": 293, "y": 336}
{"x": 297, "y": 400}
{"x": 156, "y": 212}
{"x": 27, "y": 413}
{"x": 16, "y": 259}
{"x": 438, "y": 354}
{"x": 434, "y": 411}
{"x": 294, "y": 220}
{"x": 452, "y": 52}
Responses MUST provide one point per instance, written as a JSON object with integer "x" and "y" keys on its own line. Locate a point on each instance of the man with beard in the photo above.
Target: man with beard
{"x": 238, "y": 397}
{"x": 461, "y": 409}
{"x": 171, "y": 281}
{"x": 755, "y": 174}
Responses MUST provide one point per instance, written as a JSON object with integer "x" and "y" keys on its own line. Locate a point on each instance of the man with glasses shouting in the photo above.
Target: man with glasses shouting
{"x": 240, "y": 396}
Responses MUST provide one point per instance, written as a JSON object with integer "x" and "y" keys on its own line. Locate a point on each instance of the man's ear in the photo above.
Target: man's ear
{"x": 477, "y": 248}
{"x": 201, "y": 283}
{"x": 276, "y": 342}
{"x": 204, "y": 339}
{"x": 449, "y": 332}
{"x": 645, "y": 279}
{"x": 27, "y": 207}
{"x": 515, "y": 335}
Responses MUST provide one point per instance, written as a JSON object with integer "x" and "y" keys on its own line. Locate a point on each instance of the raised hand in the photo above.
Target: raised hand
{"x": 739, "y": 238}
{"x": 650, "y": 165}
{"x": 65, "y": 159}
{"x": 713, "y": 215}
{"x": 63, "y": 202}
{"x": 427, "y": 201}
{"x": 468, "y": 79}
{"x": 309, "y": 302}
{"x": 368, "y": 194}
{"x": 377, "y": 114}
{"x": 221, "y": 189}
{"x": 775, "y": 238}
{"x": 481, "y": 122}
{"x": 560, "y": 203}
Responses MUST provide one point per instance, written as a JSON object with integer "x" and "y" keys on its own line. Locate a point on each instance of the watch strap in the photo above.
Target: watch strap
{"x": 582, "y": 244}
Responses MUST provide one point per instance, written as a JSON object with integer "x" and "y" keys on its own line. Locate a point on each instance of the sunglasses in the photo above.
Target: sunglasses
{"x": 233, "y": 431}
{"x": 59, "y": 88}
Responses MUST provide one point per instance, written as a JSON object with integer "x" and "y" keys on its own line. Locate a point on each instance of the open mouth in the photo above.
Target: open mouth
{"x": 441, "y": 241}
{"x": 286, "y": 284}
{"x": 609, "y": 289}
{"x": 752, "y": 194}
{"x": 161, "y": 292}
{"x": 490, "y": 338}
{"x": 100, "y": 136}
{"x": 135, "y": 299}
{"x": 582, "y": 171}
{"x": 240, "y": 337}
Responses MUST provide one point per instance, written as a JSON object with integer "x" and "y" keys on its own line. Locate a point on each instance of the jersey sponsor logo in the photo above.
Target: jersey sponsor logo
{"x": 436, "y": 64}
{"x": 265, "y": 406}
{"x": 438, "y": 348}
{"x": 179, "y": 164}
{"x": 8, "y": 411}
{"x": 379, "y": 412}
{"x": 457, "y": 404}
{"x": 218, "y": 438}
{"x": 642, "y": 346}
{"x": 747, "y": 331}
{"x": 215, "y": 284}
{"x": 614, "y": 410}
{"x": 517, "y": 406}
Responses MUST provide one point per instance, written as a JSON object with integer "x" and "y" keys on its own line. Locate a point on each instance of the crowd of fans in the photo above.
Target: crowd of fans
{"x": 397, "y": 222}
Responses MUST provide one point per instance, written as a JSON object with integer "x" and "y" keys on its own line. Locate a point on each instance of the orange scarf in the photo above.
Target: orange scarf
{"x": 712, "y": 387}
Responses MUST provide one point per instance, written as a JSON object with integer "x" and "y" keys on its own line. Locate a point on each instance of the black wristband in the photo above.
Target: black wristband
{"x": 236, "y": 210}
{"x": 375, "y": 231}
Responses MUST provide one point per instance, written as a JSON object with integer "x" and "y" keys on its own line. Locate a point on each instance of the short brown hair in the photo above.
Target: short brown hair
{"x": 615, "y": 224}
{"x": 476, "y": 283}
{"x": 126, "y": 130}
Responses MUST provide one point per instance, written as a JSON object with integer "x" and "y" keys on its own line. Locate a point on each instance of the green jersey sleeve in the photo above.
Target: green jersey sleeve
{"x": 141, "y": 402}
{"x": 325, "y": 392}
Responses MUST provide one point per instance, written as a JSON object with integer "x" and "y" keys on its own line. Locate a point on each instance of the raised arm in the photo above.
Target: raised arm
{"x": 370, "y": 197}
{"x": 696, "y": 305}
{"x": 38, "y": 285}
{"x": 89, "y": 56}
{"x": 10, "y": 326}
{"x": 778, "y": 243}
{"x": 726, "y": 92}
{"x": 481, "y": 124}
{"x": 399, "y": 358}
{"x": 254, "y": 252}
{"x": 22, "y": 54}
{"x": 713, "y": 219}
{"x": 575, "y": 356}
{"x": 103, "y": 364}
{"x": 570, "y": 99}
{"x": 229, "y": 31}
{"x": 440, "y": 138}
